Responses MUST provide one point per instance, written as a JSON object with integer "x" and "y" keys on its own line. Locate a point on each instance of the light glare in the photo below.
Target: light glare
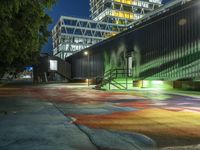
{"x": 86, "y": 53}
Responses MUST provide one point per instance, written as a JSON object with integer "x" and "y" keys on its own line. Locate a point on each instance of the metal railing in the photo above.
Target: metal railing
{"x": 112, "y": 74}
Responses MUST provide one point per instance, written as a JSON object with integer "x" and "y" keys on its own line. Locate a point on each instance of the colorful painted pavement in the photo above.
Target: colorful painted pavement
{"x": 123, "y": 121}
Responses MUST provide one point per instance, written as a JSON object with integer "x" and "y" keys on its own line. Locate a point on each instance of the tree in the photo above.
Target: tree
{"x": 23, "y": 31}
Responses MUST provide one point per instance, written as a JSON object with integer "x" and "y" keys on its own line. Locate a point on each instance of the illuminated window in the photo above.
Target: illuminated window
{"x": 124, "y": 1}
{"x": 122, "y": 14}
{"x": 53, "y": 65}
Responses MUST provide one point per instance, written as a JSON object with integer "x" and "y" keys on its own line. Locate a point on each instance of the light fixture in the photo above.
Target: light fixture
{"x": 86, "y": 53}
{"x": 157, "y": 82}
{"x": 182, "y": 22}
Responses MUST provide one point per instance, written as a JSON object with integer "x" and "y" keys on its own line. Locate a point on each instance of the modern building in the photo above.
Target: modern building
{"x": 74, "y": 34}
{"x": 163, "y": 47}
{"x": 109, "y": 17}
{"x": 121, "y": 11}
{"x": 50, "y": 69}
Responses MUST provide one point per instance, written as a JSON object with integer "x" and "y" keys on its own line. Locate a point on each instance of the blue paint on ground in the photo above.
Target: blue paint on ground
{"x": 106, "y": 108}
{"x": 105, "y": 139}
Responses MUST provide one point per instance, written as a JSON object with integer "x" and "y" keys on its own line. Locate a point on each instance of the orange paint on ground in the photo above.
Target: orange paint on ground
{"x": 168, "y": 125}
{"x": 141, "y": 104}
{"x": 154, "y": 123}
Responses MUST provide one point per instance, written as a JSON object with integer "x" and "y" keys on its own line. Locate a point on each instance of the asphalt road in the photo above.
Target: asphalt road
{"x": 73, "y": 117}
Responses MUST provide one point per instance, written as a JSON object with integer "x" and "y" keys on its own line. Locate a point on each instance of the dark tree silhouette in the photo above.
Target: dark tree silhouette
{"x": 23, "y": 31}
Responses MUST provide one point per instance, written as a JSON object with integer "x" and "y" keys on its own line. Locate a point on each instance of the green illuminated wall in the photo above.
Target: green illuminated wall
{"x": 165, "y": 49}
{"x": 115, "y": 59}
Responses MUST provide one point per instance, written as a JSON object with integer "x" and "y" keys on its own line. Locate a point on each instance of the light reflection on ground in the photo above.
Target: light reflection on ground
{"x": 168, "y": 119}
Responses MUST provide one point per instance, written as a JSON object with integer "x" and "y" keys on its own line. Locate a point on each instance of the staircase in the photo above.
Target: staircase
{"x": 116, "y": 79}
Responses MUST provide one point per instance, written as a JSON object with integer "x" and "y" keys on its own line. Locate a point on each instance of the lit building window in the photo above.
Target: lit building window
{"x": 53, "y": 65}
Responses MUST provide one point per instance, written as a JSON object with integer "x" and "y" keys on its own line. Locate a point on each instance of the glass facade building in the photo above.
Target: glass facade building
{"x": 71, "y": 35}
{"x": 109, "y": 17}
{"x": 121, "y": 11}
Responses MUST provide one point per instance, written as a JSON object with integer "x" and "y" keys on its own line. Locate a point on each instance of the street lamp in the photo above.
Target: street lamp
{"x": 88, "y": 59}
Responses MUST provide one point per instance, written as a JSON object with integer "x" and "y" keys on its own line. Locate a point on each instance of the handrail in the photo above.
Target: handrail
{"x": 111, "y": 71}
{"x": 110, "y": 76}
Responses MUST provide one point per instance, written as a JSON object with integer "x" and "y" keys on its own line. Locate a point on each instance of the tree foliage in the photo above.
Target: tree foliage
{"x": 23, "y": 30}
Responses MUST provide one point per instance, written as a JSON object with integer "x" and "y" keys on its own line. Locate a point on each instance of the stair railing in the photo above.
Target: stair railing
{"x": 110, "y": 76}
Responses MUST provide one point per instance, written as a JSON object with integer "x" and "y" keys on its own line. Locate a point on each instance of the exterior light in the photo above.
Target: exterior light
{"x": 182, "y": 22}
{"x": 152, "y": 84}
{"x": 157, "y": 82}
{"x": 85, "y": 53}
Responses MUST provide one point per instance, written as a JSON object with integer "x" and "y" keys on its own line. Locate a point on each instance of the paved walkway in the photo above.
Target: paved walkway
{"x": 74, "y": 117}
{"x": 29, "y": 124}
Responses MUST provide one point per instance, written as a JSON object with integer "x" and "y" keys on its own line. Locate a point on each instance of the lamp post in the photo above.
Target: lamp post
{"x": 88, "y": 59}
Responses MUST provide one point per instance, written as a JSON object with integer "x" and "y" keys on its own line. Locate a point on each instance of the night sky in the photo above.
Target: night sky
{"x": 74, "y": 8}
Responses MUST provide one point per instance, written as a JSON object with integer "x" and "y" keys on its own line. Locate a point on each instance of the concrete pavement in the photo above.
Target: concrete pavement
{"x": 29, "y": 124}
{"x": 74, "y": 117}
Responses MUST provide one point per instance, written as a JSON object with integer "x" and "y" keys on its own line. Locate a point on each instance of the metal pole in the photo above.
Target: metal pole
{"x": 127, "y": 71}
{"x": 88, "y": 69}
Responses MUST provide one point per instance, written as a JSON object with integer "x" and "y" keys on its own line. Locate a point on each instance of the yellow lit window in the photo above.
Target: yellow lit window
{"x": 127, "y": 15}
{"x": 121, "y": 14}
{"x": 131, "y": 16}
{"x": 124, "y": 1}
